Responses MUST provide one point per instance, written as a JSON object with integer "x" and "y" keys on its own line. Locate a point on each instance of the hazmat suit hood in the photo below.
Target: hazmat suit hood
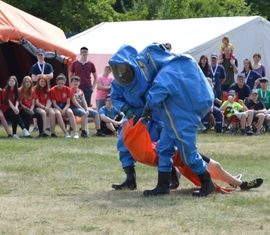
{"x": 124, "y": 65}
{"x": 152, "y": 58}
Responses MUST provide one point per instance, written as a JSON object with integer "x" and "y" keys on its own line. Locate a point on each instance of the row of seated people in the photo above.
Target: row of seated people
{"x": 20, "y": 105}
{"x": 250, "y": 111}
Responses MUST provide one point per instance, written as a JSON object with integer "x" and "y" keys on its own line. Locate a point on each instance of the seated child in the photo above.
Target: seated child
{"x": 235, "y": 111}
{"x": 79, "y": 108}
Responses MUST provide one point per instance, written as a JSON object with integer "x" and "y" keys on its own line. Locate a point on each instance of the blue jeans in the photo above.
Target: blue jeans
{"x": 87, "y": 94}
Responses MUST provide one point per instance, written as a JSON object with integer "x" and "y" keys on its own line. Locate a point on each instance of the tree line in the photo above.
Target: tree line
{"x": 74, "y": 16}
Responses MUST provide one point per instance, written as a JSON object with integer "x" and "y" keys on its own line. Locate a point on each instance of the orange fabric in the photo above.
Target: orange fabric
{"x": 138, "y": 142}
{"x": 16, "y": 24}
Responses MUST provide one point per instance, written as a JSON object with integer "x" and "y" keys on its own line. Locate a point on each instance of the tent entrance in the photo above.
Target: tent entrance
{"x": 16, "y": 60}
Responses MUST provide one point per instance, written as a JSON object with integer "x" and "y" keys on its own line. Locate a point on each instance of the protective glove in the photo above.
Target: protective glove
{"x": 147, "y": 114}
{"x": 129, "y": 112}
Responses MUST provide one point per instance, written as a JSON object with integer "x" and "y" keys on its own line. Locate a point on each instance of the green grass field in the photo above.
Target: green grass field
{"x": 63, "y": 186}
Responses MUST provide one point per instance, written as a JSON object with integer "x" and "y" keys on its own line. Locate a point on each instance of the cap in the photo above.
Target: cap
{"x": 241, "y": 75}
{"x": 108, "y": 96}
{"x": 254, "y": 91}
{"x": 214, "y": 55}
{"x": 231, "y": 92}
{"x": 40, "y": 51}
{"x": 264, "y": 80}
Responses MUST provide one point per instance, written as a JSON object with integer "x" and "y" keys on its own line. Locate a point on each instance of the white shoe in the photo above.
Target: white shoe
{"x": 15, "y": 136}
{"x": 25, "y": 132}
{"x": 76, "y": 136}
{"x": 239, "y": 177}
{"x": 67, "y": 135}
{"x": 202, "y": 127}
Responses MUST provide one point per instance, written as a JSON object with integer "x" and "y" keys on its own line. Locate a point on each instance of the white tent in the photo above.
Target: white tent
{"x": 198, "y": 36}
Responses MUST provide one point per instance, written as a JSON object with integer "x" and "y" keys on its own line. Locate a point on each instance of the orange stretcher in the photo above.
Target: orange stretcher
{"x": 138, "y": 142}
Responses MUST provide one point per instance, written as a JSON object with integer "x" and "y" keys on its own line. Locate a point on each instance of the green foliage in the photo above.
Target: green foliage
{"x": 179, "y": 9}
{"x": 77, "y": 15}
{"x": 260, "y": 7}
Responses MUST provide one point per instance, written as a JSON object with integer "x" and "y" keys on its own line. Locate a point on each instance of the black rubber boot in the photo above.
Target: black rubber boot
{"x": 175, "y": 177}
{"x": 163, "y": 185}
{"x": 207, "y": 185}
{"x": 130, "y": 182}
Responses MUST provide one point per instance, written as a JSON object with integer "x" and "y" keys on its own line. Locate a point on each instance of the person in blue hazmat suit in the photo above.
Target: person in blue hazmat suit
{"x": 182, "y": 96}
{"x": 128, "y": 94}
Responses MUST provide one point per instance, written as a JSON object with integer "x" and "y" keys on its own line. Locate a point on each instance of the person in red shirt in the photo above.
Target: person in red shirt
{"x": 28, "y": 111}
{"x": 10, "y": 106}
{"x": 43, "y": 101}
{"x": 61, "y": 96}
{"x": 2, "y": 118}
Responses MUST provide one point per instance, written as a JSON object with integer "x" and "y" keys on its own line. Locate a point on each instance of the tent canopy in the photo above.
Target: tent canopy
{"x": 197, "y": 36}
{"x": 20, "y": 35}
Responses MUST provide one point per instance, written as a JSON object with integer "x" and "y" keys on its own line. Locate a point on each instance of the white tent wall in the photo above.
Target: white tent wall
{"x": 249, "y": 35}
{"x": 248, "y": 39}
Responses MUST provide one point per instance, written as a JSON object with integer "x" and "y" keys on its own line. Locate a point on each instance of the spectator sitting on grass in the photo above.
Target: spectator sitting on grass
{"x": 111, "y": 117}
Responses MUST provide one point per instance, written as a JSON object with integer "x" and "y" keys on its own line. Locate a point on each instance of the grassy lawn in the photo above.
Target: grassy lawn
{"x": 63, "y": 186}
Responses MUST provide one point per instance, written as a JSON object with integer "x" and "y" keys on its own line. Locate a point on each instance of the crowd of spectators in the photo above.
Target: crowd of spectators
{"x": 36, "y": 101}
{"x": 245, "y": 100}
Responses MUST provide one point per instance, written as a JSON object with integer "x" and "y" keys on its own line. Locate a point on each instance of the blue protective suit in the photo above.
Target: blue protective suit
{"x": 182, "y": 96}
{"x": 131, "y": 94}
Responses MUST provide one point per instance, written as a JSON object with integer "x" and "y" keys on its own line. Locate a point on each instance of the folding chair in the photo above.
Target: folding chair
{"x": 229, "y": 120}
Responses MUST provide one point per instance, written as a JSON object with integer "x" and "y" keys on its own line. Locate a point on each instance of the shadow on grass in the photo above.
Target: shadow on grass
{"x": 130, "y": 199}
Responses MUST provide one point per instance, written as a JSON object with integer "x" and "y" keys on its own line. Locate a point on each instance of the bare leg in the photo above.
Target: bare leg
{"x": 243, "y": 121}
{"x": 72, "y": 120}
{"x": 260, "y": 117}
{"x": 250, "y": 117}
{"x": 217, "y": 172}
{"x": 60, "y": 120}
{"x": 84, "y": 120}
{"x": 110, "y": 126}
